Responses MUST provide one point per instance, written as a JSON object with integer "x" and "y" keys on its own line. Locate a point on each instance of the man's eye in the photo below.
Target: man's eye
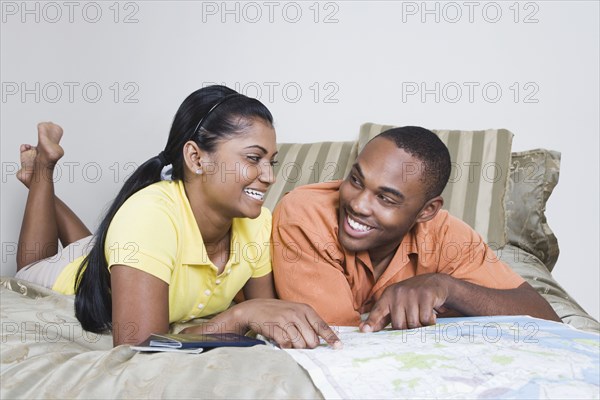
{"x": 386, "y": 200}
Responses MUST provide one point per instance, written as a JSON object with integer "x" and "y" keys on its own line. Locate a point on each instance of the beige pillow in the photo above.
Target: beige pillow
{"x": 538, "y": 276}
{"x": 478, "y": 182}
{"x": 304, "y": 163}
{"x": 534, "y": 174}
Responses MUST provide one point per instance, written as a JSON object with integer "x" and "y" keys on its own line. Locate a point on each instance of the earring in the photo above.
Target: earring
{"x": 199, "y": 171}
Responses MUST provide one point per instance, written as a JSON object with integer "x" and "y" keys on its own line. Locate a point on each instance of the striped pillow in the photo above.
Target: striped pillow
{"x": 479, "y": 178}
{"x": 304, "y": 163}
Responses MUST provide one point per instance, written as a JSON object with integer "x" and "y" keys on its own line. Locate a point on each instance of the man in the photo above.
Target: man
{"x": 379, "y": 242}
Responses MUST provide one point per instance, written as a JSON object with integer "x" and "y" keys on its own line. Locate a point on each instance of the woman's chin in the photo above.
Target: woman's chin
{"x": 250, "y": 212}
{"x": 253, "y": 214}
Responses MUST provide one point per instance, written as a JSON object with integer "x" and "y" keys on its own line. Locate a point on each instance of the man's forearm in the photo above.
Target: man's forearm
{"x": 471, "y": 299}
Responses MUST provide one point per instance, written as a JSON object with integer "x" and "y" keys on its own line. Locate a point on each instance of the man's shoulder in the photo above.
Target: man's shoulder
{"x": 312, "y": 207}
{"x": 443, "y": 224}
{"x": 441, "y": 218}
{"x": 320, "y": 188}
{"x": 311, "y": 197}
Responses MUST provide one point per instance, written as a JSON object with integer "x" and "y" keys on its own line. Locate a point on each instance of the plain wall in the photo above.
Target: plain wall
{"x": 113, "y": 74}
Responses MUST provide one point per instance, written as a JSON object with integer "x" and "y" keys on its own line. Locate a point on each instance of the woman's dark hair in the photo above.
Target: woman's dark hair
{"x": 196, "y": 119}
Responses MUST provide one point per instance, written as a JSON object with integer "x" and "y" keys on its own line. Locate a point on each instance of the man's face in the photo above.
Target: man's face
{"x": 380, "y": 199}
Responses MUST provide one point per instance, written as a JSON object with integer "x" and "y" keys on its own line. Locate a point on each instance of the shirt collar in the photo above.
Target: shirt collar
{"x": 401, "y": 257}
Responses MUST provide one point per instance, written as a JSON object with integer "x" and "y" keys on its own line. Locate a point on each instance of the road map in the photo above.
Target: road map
{"x": 480, "y": 357}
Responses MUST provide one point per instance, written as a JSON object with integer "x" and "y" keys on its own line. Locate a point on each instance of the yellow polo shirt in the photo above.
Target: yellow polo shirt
{"x": 156, "y": 232}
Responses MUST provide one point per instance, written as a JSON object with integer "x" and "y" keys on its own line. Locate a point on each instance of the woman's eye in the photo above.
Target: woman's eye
{"x": 254, "y": 158}
{"x": 274, "y": 163}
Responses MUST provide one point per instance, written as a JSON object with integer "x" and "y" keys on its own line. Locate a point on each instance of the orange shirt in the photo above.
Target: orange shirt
{"x": 310, "y": 266}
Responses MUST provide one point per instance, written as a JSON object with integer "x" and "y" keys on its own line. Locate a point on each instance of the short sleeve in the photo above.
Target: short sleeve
{"x": 465, "y": 255}
{"x": 143, "y": 235}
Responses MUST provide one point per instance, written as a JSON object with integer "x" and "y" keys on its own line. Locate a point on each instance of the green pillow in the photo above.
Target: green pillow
{"x": 534, "y": 174}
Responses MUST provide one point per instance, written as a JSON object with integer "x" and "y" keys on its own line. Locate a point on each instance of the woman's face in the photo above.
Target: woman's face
{"x": 238, "y": 173}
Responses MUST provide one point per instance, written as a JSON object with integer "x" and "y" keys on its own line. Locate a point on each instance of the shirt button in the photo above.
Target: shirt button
{"x": 207, "y": 292}
{"x": 228, "y": 271}
{"x": 218, "y": 281}
{"x": 200, "y": 306}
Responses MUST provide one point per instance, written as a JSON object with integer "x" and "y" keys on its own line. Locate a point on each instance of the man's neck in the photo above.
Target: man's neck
{"x": 380, "y": 261}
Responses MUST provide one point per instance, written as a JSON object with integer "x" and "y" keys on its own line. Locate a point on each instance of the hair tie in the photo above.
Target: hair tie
{"x": 162, "y": 158}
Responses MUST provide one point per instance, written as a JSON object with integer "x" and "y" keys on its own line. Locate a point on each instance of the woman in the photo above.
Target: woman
{"x": 174, "y": 249}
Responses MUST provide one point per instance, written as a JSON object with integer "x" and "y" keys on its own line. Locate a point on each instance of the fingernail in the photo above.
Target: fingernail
{"x": 338, "y": 345}
{"x": 367, "y": 328}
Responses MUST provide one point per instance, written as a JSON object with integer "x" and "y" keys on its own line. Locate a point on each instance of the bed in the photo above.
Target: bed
{"x": 45, "y": 353}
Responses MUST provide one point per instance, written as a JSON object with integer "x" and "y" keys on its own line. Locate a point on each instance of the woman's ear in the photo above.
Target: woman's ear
{"x": 192, "y": 157}
{"x": 430, "y": 209}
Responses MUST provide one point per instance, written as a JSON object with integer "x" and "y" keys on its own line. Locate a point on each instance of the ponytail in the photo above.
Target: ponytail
{"x": 93, "y": 303}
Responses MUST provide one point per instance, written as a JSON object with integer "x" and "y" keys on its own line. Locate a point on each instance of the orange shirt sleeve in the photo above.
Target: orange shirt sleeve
{"x": 307, "y": 268}
{"x": 463, "y": 254}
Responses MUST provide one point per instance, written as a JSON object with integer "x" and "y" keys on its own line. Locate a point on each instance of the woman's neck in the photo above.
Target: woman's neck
{"x": 215, "y": 228}
{"x": 213, "y": 225}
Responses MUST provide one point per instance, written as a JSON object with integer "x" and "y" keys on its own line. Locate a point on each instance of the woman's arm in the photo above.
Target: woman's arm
{"x": 260, "y": 288}
{"x": 291, "y": 325}
{"x": 140, "y": 305}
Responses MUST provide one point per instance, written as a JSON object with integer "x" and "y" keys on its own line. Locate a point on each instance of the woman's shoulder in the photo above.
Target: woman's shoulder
{"x": 166, "y": 192}
{"x": 160, "y": 198}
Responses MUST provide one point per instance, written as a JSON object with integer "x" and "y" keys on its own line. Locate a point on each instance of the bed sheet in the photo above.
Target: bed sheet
{"x": 45, "y": 354}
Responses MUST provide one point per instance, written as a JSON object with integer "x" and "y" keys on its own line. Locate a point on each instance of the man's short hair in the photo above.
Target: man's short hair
{"x": 426, "y": 146}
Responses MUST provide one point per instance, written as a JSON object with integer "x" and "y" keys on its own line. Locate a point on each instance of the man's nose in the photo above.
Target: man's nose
{"x": 361, "y": 203}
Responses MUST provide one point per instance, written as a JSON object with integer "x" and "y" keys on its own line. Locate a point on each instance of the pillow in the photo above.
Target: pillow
{"x": 538, "y": 276}
{"x": 533, "y": 176}
{"x": 305, "y": 163}
{"x": 478, "y": 181}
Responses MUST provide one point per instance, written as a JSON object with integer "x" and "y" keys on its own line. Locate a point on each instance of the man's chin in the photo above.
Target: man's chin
{"x": 352, "y": 245}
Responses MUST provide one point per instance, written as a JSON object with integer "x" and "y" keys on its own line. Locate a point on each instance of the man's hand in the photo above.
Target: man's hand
{"x": 415, "y": 302}
{"x": 409, "y": 304}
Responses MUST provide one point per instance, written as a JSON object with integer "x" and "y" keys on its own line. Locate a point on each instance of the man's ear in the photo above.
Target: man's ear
{"x": 430, "y": 209}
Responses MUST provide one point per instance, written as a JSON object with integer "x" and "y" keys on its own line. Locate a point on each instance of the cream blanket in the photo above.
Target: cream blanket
{"x": 46, "y": 354}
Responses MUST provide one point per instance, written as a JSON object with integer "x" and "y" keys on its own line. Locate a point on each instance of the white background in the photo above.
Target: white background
{"x": 323, "y": 69}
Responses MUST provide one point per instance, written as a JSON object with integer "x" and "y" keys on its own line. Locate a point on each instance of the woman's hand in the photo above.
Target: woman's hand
{"x": 290, "y": 325}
